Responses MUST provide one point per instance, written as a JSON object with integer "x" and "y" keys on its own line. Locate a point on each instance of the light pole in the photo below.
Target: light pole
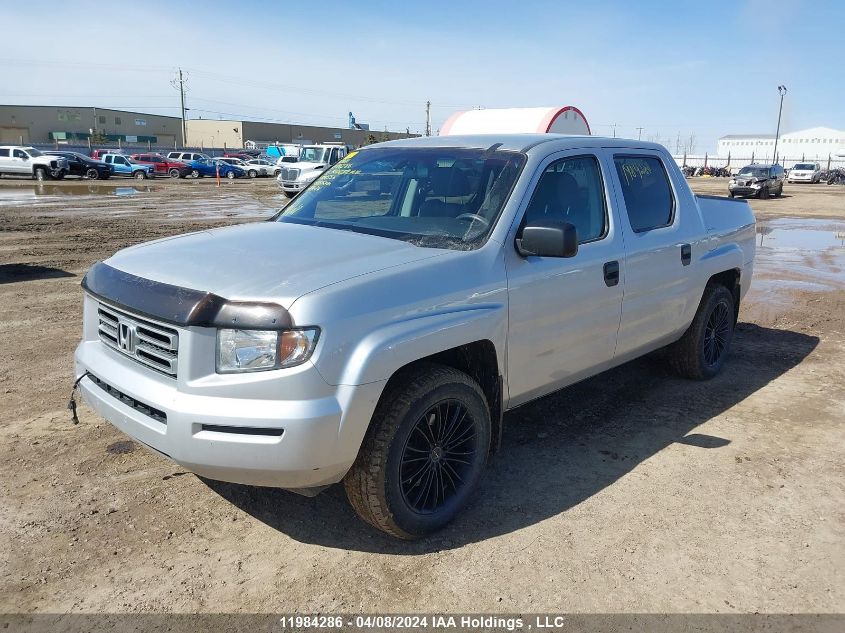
{"x": 782, "y": 91}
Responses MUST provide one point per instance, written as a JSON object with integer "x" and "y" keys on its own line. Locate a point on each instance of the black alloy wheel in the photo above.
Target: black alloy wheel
{"x": 717, "y": 334}
{"x": 438, "y": 456}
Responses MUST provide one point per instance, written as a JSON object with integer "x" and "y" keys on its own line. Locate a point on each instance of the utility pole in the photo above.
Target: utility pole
{"x": 178, "y": 82}
{"x": 639, "y": 133}
{"x": 428, "y": 118}
{"x": 782, "y": 92}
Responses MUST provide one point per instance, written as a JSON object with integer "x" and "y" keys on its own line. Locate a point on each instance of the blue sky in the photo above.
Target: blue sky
{"x": 704, "y": 69}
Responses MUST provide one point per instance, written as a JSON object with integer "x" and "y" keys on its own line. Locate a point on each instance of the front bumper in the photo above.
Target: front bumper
{"x": 286, "y": 442}
{"x": 294, "y": 186}
{"x": 738, "y": 190}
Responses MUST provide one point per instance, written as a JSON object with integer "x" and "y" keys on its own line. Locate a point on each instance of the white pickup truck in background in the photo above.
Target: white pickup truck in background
{"x": 375, "y": 330}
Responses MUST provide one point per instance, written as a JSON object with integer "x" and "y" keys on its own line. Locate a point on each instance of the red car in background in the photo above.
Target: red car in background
{"x": 163, "y": 166}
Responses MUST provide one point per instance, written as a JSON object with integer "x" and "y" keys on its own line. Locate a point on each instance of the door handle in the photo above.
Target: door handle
{"x": 686, "y": 254}
{"x": 611, "y": 273}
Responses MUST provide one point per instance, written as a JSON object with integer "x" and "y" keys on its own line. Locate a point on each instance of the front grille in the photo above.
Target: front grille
{"x": 290, "y": 174}
{"x": 150, "y": 344}
{"x": 140, "y": 407}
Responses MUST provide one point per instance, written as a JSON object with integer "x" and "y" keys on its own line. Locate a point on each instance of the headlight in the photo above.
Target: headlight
{"x": 732, "y": 181}
{"x": 260, "y": 350}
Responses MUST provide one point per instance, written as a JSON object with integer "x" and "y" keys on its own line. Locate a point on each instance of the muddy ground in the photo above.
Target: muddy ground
{"x": 632, "y": 491}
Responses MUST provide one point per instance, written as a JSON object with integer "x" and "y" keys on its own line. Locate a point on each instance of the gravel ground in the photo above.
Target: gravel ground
{"x": 632, "y": 491}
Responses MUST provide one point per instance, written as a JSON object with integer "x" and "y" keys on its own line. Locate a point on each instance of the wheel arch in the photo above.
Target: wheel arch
{"x": 730, "y": 279}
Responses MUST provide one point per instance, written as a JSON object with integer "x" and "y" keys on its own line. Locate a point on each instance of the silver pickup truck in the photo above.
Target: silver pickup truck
{"x": 375, "y": 330}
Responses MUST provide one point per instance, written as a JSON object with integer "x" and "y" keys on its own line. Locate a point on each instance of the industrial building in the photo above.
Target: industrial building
{"x": 232, "y": 133}
{"x": 69, "y": 124}
{"x": 76, "y": 125}
{"x": 817, "y": 144}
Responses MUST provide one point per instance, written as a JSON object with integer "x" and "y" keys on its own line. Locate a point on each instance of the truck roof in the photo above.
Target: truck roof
{"x": 519, "y": 142}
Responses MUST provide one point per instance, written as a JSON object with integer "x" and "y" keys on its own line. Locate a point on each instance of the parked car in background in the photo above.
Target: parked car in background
{"x": 83, "y": 166}
{"x": 313, "y": 160}
{"x": 187, "y": 157}
{"x": 21, "y": 160}
{"x": 805, "y": 172}
{"x": 377, "y": 330}
{"x": 125, "y": 166}
{"x": 162, "y": 166}
{"x": 208, "y": 167}
{"x": 98, "y": 154}
{"x": 760, "y": 181}
{"x": 244, "y": 156}
{"x": 262, "y": 167}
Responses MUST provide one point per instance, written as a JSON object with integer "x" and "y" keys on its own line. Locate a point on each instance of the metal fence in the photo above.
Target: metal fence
{"x": 707, "y": 160}
{"x": 130, "y": 148}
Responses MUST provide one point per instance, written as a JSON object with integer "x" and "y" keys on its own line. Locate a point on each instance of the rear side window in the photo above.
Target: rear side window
{"x": 4, "y": 152}
{"x": 645, "y": 187}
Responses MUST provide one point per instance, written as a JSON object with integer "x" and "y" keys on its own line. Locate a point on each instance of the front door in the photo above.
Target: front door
{"x": 563, "y": 314}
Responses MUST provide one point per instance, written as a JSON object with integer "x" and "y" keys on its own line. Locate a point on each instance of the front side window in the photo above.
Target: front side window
{"x": 571, "y": 190}
{"x": 19, "y": 153}
{"x": 434, "y": 197}
{"x": 645, "y": 187}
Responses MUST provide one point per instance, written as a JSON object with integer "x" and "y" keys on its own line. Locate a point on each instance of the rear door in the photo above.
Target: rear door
{"x": 563, "y": 313}
{"x": 658, "y": 283}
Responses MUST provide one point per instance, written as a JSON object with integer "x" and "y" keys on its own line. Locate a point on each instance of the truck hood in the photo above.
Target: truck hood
{"x": 274, "y": 262}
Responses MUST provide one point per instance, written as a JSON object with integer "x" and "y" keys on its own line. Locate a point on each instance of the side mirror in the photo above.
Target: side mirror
{"x": 548, "y": 238}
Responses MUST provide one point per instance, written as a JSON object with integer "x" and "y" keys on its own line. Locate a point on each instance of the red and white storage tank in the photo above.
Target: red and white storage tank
{"x": 558, "y": 120}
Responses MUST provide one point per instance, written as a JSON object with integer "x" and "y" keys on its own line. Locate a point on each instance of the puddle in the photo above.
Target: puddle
{"x": 47, "y": 193}
{"x": 797, "y": 254}
{"x": 806, "y": 235}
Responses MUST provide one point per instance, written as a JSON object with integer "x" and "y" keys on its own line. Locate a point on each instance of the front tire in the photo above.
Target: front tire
{"x": 41, "y": 174}
{"x": 701, "y": 351}
{"x": 252, "y": 173}
{"x": 140, "y": 175}
{"x": 424, "y": 453}
{"x": 763, "y": 194}
{"x": 195, "y": 173}
{"x": 92, "y": 174}
{"x": 230, "y": 175}
{"x": 173, "y": 173}
{"x": 290, "y": 194}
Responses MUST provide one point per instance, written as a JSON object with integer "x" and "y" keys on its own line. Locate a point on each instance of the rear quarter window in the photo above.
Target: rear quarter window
{"x": 648, "y": 195}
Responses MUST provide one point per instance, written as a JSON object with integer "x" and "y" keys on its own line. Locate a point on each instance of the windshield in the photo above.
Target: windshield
{"x": 754, "y": 172}
{"x": 437, "y": 197}
{"x": 805, "y": 167}
{"x": 313, "y": 155}
{"x": 33, "y": 152}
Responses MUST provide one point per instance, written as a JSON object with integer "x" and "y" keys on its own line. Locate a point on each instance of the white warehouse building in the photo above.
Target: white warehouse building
{"x": 816, "y": 144}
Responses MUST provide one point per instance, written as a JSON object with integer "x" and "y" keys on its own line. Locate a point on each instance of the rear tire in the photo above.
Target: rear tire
{"x": 701, "y": 351}
{"x": 424, "y": 452}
